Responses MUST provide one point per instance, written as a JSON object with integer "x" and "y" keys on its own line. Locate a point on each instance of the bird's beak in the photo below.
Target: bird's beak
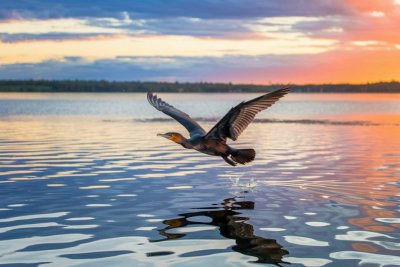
{"x": 163, "y": 135}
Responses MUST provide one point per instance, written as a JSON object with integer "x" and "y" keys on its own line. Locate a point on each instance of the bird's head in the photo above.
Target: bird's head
{"x": 175, "y": 137}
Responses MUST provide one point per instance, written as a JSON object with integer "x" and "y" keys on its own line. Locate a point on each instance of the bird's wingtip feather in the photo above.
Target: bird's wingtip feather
{"x": 282, "y": 91}
{"x": 285, "y": 89}
{"x": 152, "y": 97}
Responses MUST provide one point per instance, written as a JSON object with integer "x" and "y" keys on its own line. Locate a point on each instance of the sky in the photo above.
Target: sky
{"x": 239, "y": 41}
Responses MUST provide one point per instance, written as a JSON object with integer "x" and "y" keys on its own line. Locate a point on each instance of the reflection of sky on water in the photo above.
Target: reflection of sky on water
{"x": 96, "y": 189}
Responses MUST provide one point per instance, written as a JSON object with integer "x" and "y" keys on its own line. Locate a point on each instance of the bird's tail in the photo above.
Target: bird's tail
{"x": 243, "y": 156}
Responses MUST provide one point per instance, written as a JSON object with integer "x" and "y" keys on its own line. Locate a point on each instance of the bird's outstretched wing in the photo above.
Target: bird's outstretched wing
{"x": 191, "y": 125}
{"x": 239, "y": 117}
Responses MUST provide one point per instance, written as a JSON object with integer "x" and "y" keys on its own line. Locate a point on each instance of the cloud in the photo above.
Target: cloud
{"x": 331, "y": 67}
{"x": 206, "y": 9}
{"x": 119, "y": 69}
{"x": 137, "y": 68}
{"x": 73, "y": 28}
{"x": 110, "y": 47}
{"x": 219, "y": 40}
{"x": 346, "y": 66}
{"x": 17, "y": 38}
{"x": 229, "y": 19}
{"x": 377, "y": 14}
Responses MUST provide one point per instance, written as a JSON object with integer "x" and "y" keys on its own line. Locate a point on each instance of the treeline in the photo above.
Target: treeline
{"x": 136, "y": 86}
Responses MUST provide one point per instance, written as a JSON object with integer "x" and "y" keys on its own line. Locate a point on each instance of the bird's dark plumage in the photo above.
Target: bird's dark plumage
{"x": 230, "y": 126}
{"x": 239, "y": 117}
{"x": 191, "y": 125}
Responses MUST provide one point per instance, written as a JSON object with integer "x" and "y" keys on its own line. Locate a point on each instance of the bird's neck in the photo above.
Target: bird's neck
{"x": 185, "y": 143}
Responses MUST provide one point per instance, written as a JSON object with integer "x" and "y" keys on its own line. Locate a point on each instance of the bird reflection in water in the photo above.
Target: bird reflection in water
{"x": 234, "y": 227}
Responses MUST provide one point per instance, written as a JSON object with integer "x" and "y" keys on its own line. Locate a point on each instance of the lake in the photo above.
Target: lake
{"x": 85, "y": 181}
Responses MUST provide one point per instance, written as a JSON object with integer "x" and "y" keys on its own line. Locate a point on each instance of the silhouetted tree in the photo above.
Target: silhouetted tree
{"x": 137, "y": 86}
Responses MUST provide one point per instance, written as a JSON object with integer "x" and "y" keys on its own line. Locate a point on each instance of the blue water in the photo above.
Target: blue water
{"x": 84, "y": 181}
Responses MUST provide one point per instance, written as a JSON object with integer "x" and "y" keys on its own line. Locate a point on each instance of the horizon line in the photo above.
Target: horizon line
{"x": 197, "y": 82}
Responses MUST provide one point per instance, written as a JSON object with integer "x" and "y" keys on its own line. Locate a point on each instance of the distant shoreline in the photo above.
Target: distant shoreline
{"x": 79, "y": 86}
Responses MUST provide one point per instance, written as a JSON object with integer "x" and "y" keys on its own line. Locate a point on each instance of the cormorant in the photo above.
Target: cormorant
{"x": 230, "y": 126}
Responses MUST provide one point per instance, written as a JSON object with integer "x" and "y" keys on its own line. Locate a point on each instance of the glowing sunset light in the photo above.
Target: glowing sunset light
{"x": 93, "y": 49}
{"x": 351, "y": 41}
{"x": 377, "y": 14}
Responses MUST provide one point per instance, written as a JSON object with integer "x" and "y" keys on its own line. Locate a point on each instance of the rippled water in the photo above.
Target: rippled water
{"x": 85, "y": 181}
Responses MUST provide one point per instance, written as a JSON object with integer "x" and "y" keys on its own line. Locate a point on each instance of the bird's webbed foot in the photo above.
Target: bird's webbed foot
{"x": 229, "y": 161}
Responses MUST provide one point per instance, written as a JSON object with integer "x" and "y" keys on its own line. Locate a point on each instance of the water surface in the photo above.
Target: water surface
{"x": 85, "y": 181}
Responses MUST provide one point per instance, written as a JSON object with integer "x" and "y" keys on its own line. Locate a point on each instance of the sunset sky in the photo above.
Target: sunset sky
{"x": 240, "y": 41}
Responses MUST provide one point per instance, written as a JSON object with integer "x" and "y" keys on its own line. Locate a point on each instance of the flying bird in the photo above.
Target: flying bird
{"x": 230, "y": 126}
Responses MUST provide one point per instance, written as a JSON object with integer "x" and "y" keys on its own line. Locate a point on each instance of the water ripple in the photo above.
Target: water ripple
{"x": 35, "y": 216}
{"x": 104, "y": 190}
